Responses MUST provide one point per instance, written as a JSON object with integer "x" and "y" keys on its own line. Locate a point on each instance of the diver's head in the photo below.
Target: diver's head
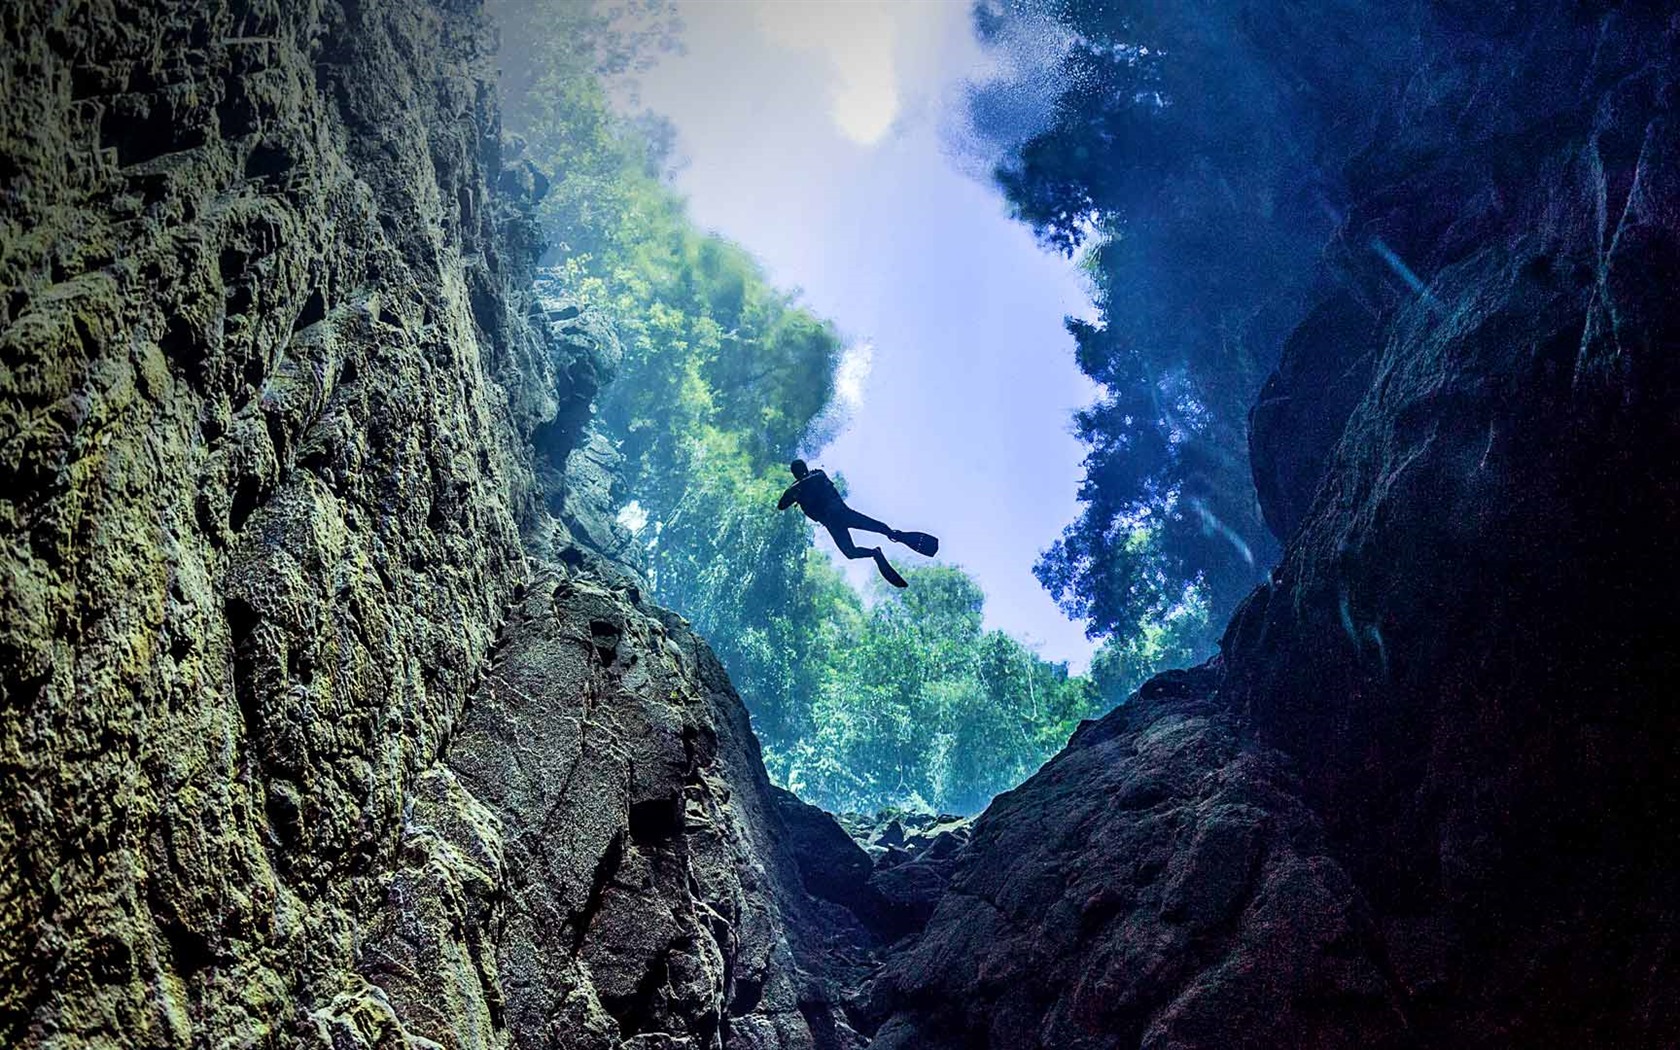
{"x": 799, "y": 469}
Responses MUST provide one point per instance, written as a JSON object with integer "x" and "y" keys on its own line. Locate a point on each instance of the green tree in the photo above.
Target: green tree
{"x": 1149, "y": 141}
{"x": 723, "y": 377}
{"x": 924, "y": 709}
{"x": 904, "y": 700}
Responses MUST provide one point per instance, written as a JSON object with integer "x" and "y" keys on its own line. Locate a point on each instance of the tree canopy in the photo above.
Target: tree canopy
{"x": 920, "y": 706}
{"x": 1149, "y": 145}
{"x": 862, "y": 702}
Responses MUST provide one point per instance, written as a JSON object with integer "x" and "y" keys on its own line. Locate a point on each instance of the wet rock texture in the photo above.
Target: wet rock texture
{"x": 1425, "y": 796}
{"x": 596, "y": 861}
{"x": 332, "y": 712}
{"x": 912, "y": 857}
{"x": 327, "y": 715}
{"x": 1159, "y": 883}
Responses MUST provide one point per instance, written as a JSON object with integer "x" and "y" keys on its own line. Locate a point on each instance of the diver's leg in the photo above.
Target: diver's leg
{"x": 864, "y": 523}
{"x": 843, "y": 540}
{"x": 888, "y": 573}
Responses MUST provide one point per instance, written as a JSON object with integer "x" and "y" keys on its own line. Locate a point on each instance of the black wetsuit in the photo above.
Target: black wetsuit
{"x": 821, "y": 502}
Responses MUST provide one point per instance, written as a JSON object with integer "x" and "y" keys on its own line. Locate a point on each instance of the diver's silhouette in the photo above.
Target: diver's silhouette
{"x": 821, "y": 502}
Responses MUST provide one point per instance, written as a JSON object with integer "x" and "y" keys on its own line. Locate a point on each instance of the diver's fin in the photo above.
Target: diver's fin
{"x": 920, "y": 542}
{"x": 889, "y": 573}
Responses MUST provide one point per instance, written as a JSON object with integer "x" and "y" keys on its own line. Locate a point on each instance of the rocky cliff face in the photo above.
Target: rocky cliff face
{"x": 1425, "y": 796}
{"x": 326, "y": 715}
{"x": 332, "y": 712}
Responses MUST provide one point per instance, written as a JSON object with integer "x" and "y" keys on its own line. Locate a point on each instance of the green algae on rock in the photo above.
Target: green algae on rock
{"x": 295, "y": 479}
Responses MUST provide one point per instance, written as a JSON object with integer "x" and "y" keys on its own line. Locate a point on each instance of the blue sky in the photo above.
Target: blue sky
{"x": 814, "y": 135}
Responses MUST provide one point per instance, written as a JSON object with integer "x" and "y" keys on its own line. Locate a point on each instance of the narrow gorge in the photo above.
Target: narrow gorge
{"x": 336, "y": 709}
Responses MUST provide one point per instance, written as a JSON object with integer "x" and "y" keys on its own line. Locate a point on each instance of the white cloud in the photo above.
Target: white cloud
{"x": 633, "y": 517}
{"x": 852, "y": 376}
{"x": 862, "y": 42}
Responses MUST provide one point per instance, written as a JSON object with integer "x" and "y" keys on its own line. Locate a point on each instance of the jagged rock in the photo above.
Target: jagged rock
{"x": 622, "y": 873}
{"x": 833, "y": 867}
{"x": 914, "y": 855}
{"x": 587, "y": 499}
{"x": 330, "y": 714}
{"x": 1425, "y": 795}
{"x": 1141, "y": 890}
{"x": 910, "y": 833}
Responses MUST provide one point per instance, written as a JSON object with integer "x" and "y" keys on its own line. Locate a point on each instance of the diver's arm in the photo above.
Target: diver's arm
{"x": 787, "y": 497}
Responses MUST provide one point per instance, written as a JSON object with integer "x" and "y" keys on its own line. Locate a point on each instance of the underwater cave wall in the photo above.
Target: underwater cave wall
{"x": 1425, "y": 796}
{"x": 259, "y": 497}
{"x": 323, "y": 720}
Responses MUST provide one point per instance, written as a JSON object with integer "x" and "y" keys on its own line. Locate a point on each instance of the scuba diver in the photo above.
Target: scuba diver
{"x": 821, "y": 502}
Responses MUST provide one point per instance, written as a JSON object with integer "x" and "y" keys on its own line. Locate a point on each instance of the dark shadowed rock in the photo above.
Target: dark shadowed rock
{"x": 1090, "y": 910}
{"x": 914, "y": 857}
{"x": 1481, "y": 711}
{"x": 1426, "y": 794}
{"x": 833, "y": 866}
{"x": 1298, "y": 417}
